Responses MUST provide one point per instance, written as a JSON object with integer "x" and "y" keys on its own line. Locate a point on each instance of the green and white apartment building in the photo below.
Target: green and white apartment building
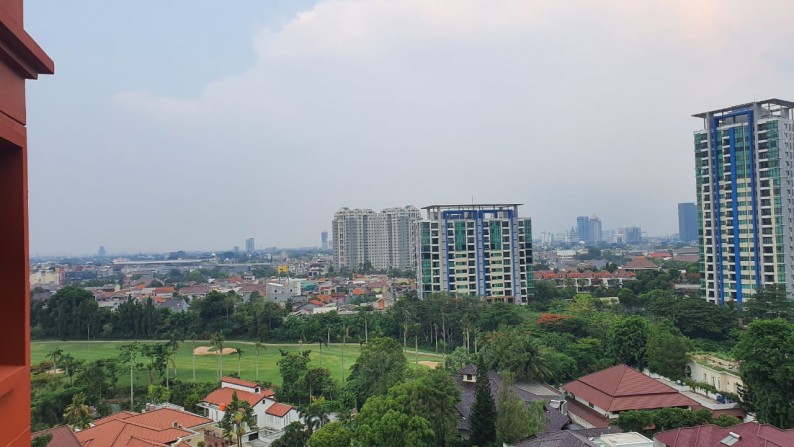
{"x": 482, "y": 250}
{"x": 743, "y": 162}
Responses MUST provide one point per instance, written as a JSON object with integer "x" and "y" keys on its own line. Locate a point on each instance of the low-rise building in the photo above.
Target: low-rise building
{"x": 271, "y": 416}
{"x": 723, "y": 375}
{"x": 161, "y": 427}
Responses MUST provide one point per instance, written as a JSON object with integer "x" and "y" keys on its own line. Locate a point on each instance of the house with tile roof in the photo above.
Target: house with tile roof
{"x": 748, "y": 434}
{"x": 271, "y": 416}
{"x": 596, "y": 399}
{"x": 61, "y": 437}
{"x": 641, "y": 263}
{"x": 159, "y": 428}
{"x": 467, "y": 379}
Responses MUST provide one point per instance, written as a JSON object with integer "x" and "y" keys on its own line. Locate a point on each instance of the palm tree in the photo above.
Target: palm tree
{"x": 56, "y": 355}
{"x": 238, "y": 419}
{"x": 175, "y": 337}
{"x": 217, "y": 343}
{"x": 128, "y": 353}
{"x": 259, "y": 345}
{"x": 239, "y": 353}
{"x": 315, "y": 415}
{"x": 77, "y": 414}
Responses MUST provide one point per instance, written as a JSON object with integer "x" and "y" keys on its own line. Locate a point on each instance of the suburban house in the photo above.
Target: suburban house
{"x": 749, "y": 434}
{"x": 596, "y": 399}
{"x": 175, "y": 305}
{"x": 641, "y": 263}
{"x": 270, "y": 415}
{"x": 723, "y": 375}
{"x": 158, "y": 428}
{"x": 467, "y": 379}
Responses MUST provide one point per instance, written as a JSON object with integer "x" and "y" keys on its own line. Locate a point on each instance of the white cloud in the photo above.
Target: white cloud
{"x": 570, "y": 107}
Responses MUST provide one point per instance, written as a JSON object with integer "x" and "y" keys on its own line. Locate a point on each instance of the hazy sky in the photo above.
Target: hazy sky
{"x": 195, "y": 124}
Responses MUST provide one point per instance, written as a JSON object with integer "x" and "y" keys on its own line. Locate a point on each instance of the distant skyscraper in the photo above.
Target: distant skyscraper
{"x": 481, "y": 250}
{"x": 633, "y": 235}
{"x": 595, "y": 229}
{"x": 743, "y": 158}
{"x": 687, "y": 222}
{"x": 249, "y": 245}
{"x": 101, "y": 252}
{"x": 324, "y": 240}
{"x": 385, "y": 239}
{"x": 583, "y": 229}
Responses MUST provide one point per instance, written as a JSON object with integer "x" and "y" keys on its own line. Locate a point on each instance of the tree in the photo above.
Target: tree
{"x": 217, "y": 343}
{"x": 381, "y": 422}
{"x": 334, "y": 434}
{"x": 433, "y": 395}
{"x": 515, "y": 421}
{"x": 766, "y": 355}
{"x": 315, "y": 415}
{"x": 239, "y": 353}
{"x": 259, "y": 346}
{"x": 294, "y": 436}
{"x": 158, "y": 394}
{"x": 667, "y": 352}
{"x": 650, "y": 422}
{"x": 77, "y": 414}
{"x": 627, "y": 340}
{"x": 293, "y": 366}
{"x": 41, "y": 441}
{"x": 129, "y": 352}
{"x": 380, "y": 365}
{"x": 769, "y": 302}
{"x": 55, "y": 355}
{"x": 483, "y": 411}
{"x": 518, "y": 353}
{"x": 238, "y": 419}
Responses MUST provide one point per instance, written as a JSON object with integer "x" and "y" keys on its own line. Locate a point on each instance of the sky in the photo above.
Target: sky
{"x": 194, "y": 124}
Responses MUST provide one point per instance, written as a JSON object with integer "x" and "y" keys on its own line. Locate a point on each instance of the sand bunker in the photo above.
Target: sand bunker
{"x": 431, "y": 365}
{"x": 207, "y": 350}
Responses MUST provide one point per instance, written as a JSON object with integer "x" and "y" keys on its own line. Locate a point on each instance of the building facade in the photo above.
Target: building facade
{"x": 583, "y": 229}
{"x": 20, "y": 59}
{"x": 482, "y": 250}
{"x": 250, "y": 245}
{"x": 386, "y": 239}
{"x": 743, "y": 157}
{"x": 595, "y": 229}
{"x": 687, "y": 222}
{"x": 324, "y": 240}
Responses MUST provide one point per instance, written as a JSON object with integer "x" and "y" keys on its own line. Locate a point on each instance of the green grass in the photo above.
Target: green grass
{"x": 207, "y": 365}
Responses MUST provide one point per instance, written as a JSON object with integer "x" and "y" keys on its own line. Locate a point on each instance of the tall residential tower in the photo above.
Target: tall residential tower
{"x": 385, "y": 239}
{"x": 687, "y": 222}
{"x": 743, "y": 163}
{"x": 483, "y": 250}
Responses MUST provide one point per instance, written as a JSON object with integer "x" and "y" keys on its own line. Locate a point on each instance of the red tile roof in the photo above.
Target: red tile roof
{"x": 113, "y": 417}
{"x": 751, "y": 434}
{"x": 622, "y": 388}
{"x": 153, "y": 428}
{"x": 588, "y": 414}
{"x": 279, "y": 410}
{"x": 640, "y": 263}
{"x": 223, "y": 396}
{"x": 241, "y": 382}
{"x": 61, "y": 437}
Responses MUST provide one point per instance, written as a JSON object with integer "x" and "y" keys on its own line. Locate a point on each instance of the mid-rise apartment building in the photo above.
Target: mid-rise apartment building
{"x": 483, "y": 250}
{"x": 743, "y": 162}
{"x": 385, "y": 239}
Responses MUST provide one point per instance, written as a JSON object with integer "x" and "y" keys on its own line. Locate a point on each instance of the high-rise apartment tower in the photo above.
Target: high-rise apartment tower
{"x": 386, "y": 239}
{"x": 743, "y": 163}
{"x": 482, "y": 250}
{"x": 687, "y": 222}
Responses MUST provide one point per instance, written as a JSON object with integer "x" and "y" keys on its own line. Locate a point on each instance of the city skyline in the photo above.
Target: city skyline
{"x": 176, "y": 142}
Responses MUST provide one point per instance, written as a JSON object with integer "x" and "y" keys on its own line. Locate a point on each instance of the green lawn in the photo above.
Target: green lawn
{"x": 206, "y": 366}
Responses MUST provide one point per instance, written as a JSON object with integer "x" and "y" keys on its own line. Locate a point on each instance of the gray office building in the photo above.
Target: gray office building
{"x": 687, "y": 222}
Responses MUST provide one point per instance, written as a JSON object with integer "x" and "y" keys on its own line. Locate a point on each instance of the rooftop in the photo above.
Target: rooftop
{"x": 768, "y": 102}
{"x": 474, "y": 206}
